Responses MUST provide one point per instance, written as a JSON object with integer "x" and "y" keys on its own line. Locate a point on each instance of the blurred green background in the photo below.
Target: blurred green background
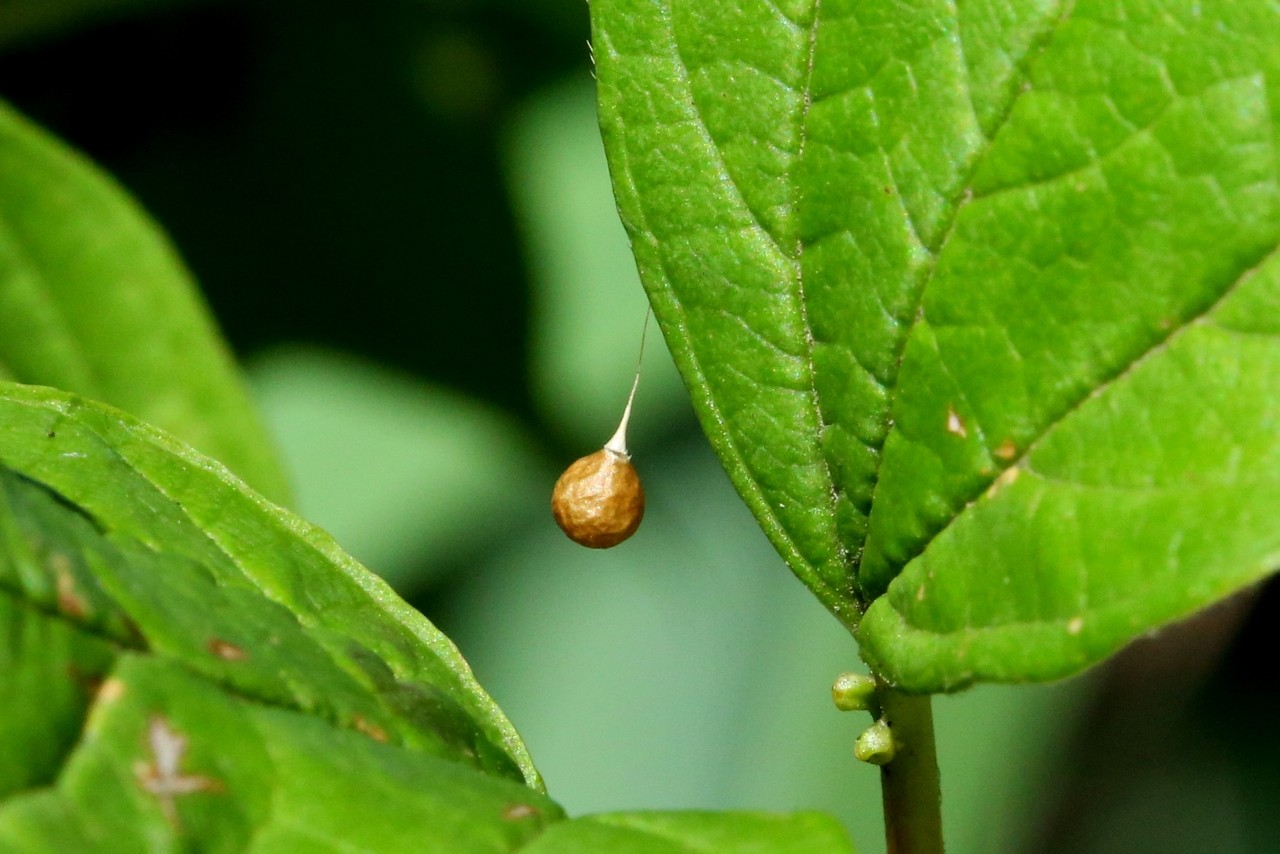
{"x": 399, "y": 212}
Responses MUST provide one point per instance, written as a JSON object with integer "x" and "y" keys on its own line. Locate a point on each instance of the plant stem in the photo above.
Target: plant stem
{"x": 910, "y": 784}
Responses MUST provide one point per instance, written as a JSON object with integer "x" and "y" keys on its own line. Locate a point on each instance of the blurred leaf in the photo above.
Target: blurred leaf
{"x": 169, "y": 759}
{"x": 588, "y": 306}
{"x": 24, "y": 20}
{"x": 677, "y": 832}
{"x": 127, "y": 532}
{"x": 93, "y": 299}
{"x": 979, "y": 306}
{"x": 407, "y": 477}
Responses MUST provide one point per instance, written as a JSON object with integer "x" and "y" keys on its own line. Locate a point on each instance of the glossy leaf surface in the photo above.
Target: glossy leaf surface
{"x": 977, "y": 304}
{"x": 125, "y": 532}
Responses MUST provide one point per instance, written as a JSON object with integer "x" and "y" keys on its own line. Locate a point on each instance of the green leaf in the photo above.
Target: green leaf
{"x": 93, "y": 299}
{"x": 978, "y": 305}
{"x": 127, "y": 533}
{"x": 168, "y": 759}
{"x": 42, "y": 715}
{"x": 690, "y": 832}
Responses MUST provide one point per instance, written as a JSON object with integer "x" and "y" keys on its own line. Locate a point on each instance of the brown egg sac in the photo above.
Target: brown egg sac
{"x": 598, "y": 501}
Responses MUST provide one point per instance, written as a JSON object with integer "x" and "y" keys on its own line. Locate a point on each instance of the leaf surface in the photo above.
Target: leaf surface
{"x": 42, "y": 715}
{"x": 168, "y": 759}
{"x": 976, "y": 303}
{"x": 120, "y": 529}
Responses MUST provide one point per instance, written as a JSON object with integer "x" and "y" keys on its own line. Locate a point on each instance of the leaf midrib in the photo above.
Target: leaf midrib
{"x": 1153, "y": 350}
{"x": 961, "y": 198}
{"x": 845, "y": 553}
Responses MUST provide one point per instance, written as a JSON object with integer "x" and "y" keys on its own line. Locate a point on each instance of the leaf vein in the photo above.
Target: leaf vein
{"x": 824, "y": 422}
{"x": 1201, "y": 317}
{"x": 962, "y": 197}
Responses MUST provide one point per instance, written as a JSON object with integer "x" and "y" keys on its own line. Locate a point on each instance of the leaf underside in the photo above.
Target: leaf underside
{"x": 977, "y": 302}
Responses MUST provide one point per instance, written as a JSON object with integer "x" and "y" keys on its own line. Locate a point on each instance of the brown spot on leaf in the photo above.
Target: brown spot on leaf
{"x": 226, "y": 650}
{"x": 163, "y": 776}
{"x": 1006, "y": 451}
{"x": 519, "y": 812}
{"x": 112, "y": 689}
{"x": 955, "y": 424}
{"x": 89, "y": 683}
{"x": 364, "y": 725}
{"x": 70, "y": 602}
{"x": 1007, "y": 477}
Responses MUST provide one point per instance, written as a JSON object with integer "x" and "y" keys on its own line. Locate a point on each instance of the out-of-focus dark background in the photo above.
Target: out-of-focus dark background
{"x": 399, "y": 212}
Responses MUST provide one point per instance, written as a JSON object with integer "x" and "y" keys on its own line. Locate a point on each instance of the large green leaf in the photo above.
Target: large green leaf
{"x": 978, "y": 304}
{"x": 143, "y": 542}
{"x": 93, "y": 299}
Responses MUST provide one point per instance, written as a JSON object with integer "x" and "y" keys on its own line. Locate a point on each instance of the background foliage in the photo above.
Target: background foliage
{"x": 399, "y": 213}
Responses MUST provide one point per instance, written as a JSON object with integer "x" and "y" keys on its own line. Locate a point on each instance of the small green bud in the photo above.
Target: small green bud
{"x": 853, "y": 692}
{"x": 875, "y": 745}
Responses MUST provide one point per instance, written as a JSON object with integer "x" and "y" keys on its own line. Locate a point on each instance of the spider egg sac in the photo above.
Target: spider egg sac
{"x": 598, "y": 501}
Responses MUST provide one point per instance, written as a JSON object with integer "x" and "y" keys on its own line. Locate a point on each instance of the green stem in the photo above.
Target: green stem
{"x": 910, "y": 784}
